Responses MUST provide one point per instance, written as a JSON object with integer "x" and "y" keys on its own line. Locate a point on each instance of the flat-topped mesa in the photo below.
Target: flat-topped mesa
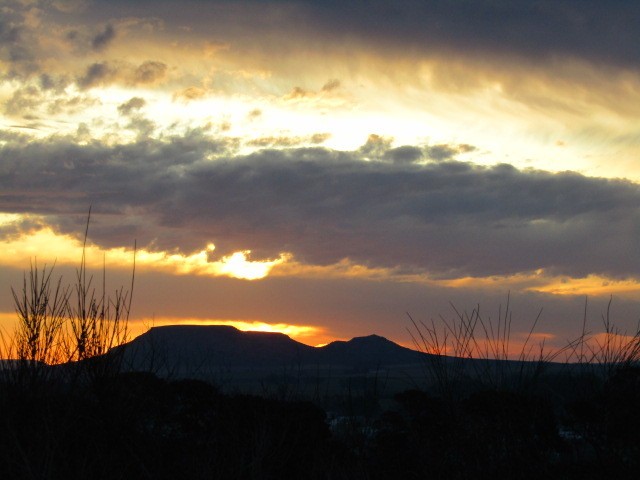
{"x": 223, "y": 346}
{"x": 214, "y": 345}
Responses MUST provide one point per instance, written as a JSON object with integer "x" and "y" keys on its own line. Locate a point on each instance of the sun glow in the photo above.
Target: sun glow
{"x": 308, "y": 334}
{"x": 18, "y": 251}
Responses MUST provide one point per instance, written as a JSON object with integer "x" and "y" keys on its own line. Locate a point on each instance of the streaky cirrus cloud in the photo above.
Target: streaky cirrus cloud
{"x": 427, "y": 212}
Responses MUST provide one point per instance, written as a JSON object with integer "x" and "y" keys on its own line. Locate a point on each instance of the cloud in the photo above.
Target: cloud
{"x": 255, "y": 113}
{"x": 17, "y": 42}
{"x": 376, "y": 146}
{"x": 297, "y": 92}
{"x": 9, "y": 33}
{"x": 23, "y": 100}
{"x": 56, "y": 83}
{"x": 404, "y": 154}
{"x": 447, "y": 217}
{"x": 142, "y": 126}
{"x": 149, "y": 72}
{"x": 104, "y": 73}
{"x": 447, "y": 152}
{"x": 104, "y": 38}
{"x": 70, "y": 104}
{"x": 131, "y": 105}
{"x": 70, "y": 6}
{"x": 285, "y": 141}
{"x": 190, "y": 93}
{"x": 326, "y": 91}
{"x": 556, "y": 56}
{"x": 575, "y": 28}
{"x": 331, "y": 85}
{"x": 96, "y": 74}
{"x": 33, "y": 100}
{"x": 580, "y": 29}
{"x": 318, "y": 138}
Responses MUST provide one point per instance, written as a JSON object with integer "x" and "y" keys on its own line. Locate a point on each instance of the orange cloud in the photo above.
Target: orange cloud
{"x": 591, "y": 285}
{"x": 64, "y": 249}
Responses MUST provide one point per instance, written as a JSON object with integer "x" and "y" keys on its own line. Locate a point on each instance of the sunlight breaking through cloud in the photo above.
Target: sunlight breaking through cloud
{"x": 18, "y": 251}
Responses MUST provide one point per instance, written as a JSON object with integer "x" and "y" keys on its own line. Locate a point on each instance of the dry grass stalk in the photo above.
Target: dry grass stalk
{"x": 59, "y": 324}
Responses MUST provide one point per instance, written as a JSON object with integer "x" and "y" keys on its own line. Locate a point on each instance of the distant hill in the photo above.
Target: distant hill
{"x": 217, "y": 346}
{"x": 370, "y": 351}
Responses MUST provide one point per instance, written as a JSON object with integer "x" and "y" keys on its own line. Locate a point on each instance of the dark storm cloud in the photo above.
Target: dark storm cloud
{"x": 404, "y": 154}
{"x": 17, "y": 42}
{"x": 448, "y": 217}
{"x": 600, "y": 32}
{"x": 597, "y": 31}
{"x": 9, "y": 34}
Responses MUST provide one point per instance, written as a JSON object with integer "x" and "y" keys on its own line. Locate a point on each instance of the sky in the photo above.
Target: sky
{"x": 325, "y": 168}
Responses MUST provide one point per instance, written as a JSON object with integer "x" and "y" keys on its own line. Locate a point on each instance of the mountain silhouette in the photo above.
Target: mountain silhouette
{"x": 218, "y": 346}
{"x": 370, "y": 351}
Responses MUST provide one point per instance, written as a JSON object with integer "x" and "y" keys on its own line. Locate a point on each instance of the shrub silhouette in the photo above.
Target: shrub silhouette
{"x": 73, "y": 324}
{"x": 488, "y": 434}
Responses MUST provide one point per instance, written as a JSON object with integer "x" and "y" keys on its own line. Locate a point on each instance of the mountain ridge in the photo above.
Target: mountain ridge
{"x": 217, "y": 346}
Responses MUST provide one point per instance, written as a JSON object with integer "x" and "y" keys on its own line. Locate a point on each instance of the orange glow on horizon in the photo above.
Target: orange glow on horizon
{"x": 598, "y": 347}
{"x": 307, "y": 334}
{"x": 516, "y": 346}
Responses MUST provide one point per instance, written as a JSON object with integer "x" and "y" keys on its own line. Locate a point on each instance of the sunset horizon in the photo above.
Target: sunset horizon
{"x": 328, "y": 170}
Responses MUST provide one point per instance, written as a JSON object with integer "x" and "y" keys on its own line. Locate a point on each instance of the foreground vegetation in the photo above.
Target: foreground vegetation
{"x": 135, "y": 425}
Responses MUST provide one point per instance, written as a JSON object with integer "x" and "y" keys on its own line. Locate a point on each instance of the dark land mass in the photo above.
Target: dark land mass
{"x": 188, "y": 402}
{"x": 262, "y": 362}
{"x": 226, "y": 346}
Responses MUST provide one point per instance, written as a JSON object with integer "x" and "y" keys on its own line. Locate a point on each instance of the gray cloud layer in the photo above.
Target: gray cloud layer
{"x": 539, "y": 34}
{"x": 420, "y": 213}
{"x": 600, "y": 32}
